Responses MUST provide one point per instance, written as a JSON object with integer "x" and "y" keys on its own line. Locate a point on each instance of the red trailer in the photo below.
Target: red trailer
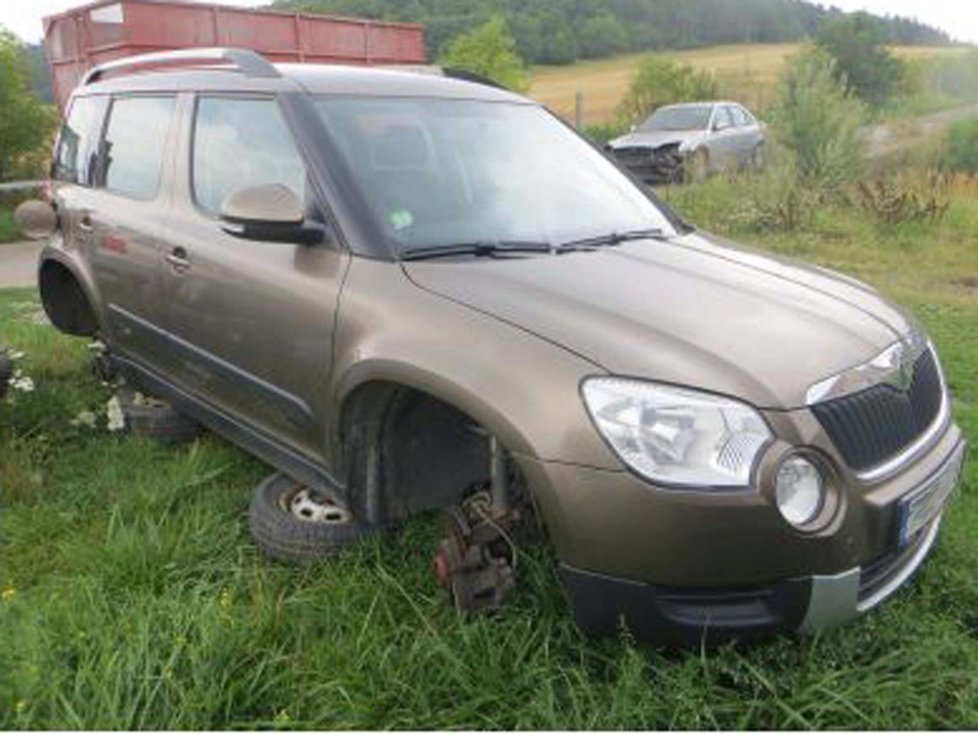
{"x": 110, "y": 29}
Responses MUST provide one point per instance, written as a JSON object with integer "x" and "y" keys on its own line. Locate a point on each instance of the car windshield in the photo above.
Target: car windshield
{"x": 443, "y": 172}
{"x": 678, "y": 118}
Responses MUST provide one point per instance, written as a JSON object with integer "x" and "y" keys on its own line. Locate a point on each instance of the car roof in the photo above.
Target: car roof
{"x": 311, "y": 78}
{"x": 704, "y": 103}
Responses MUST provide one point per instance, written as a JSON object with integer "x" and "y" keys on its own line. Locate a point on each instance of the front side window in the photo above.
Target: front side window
{"x": 441, "y": 172}
{"x": 723, "y": 119}
{"x": 240, "y": 143}
{"x": 740, "y": 116}
{"x": 132, "y": 151}
{"x": 75, "y": 152}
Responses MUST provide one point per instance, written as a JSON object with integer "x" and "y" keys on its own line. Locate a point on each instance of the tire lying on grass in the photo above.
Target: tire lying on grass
{"x": 293, "y": 523}
{"x": 154, "y": 418}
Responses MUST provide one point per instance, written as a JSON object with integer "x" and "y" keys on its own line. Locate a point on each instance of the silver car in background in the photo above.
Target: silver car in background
{"x": 690, "y": 141}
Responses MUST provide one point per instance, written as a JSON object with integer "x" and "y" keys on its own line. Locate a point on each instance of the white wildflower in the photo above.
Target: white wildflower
{"x": 85, "y": 418}
{"x": 113, "y": 410}
{"x": 15, "y": 355}
{"x": 21, "y": 382}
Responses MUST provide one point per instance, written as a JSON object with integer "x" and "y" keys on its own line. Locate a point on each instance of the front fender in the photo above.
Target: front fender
{"x": 520, "y": 387}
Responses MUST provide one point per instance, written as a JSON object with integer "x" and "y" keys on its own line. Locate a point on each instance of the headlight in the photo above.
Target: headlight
{"x": 799, "y": 490}
{"x": 677, "y": 436}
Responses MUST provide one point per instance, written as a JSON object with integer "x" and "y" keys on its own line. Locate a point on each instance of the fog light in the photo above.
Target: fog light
{"x": 799, "y": 490}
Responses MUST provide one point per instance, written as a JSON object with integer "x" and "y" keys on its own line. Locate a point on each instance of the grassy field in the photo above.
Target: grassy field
{"x": 132, "y": 596}
{"x": 746, "y": 72}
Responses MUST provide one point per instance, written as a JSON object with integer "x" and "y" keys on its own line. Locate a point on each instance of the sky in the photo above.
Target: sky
{"x": 957, "y": 17}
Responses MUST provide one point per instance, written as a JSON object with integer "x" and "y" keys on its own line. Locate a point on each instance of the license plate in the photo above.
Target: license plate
{"x": 917, "y": 510}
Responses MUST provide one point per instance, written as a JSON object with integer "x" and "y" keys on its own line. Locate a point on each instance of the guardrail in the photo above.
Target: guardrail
{"x": 21, "y": 185}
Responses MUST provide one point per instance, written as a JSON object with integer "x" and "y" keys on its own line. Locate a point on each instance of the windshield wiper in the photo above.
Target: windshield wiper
{"x": 486, "y": 248}
{"x": 615, "y": 238}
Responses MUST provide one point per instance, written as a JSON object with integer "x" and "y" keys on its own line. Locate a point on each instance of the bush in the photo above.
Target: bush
{"x": 26, "y": 125}
{"x": 661, "y": 81}
{"x": 817, "y": 124}
{"x": 862, "y": 61}
{"x": 905, "y": 198}
{"x": 962, "y": 146}
{"x": 602, "y": 132}
{"x": 490, "y": 51}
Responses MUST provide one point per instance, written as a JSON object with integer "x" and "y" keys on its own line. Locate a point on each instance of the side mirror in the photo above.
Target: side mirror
{"x": 270, "y": 213}
{"x": 36, "y": 219}
{"x": 719, "y": 125}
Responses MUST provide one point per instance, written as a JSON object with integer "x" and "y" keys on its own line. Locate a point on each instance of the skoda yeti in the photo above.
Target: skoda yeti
{"x": 410, "y": 291}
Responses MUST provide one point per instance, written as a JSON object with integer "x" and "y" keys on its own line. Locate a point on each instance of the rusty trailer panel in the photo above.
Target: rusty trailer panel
{"x": 110, "y": 29}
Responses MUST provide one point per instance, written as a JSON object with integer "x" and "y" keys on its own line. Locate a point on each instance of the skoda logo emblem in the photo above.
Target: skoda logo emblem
{"x": 902, "y": 375}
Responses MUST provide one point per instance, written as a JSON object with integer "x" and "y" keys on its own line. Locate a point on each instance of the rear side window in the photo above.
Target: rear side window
{"x": 132, "y": 151}
{"x": 240, "y": 143}
{"x": 74, "y": 154}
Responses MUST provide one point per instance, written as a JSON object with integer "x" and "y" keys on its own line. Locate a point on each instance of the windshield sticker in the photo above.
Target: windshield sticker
{"x": 401, "y": 218}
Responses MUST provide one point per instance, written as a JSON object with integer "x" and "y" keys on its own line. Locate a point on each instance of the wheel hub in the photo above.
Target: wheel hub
{"x": 309, "y": 507}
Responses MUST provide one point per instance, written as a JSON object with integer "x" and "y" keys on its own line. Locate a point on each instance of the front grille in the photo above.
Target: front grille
{"x": 872, "y": 425}
{"x": 650, "y": 163}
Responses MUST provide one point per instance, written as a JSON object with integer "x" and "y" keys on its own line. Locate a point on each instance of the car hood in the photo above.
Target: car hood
{"x": 655, "y": 138}
{"x": 694, "y": 311}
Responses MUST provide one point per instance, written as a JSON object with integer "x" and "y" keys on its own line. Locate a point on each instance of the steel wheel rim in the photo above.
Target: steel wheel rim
{"x": 306, "y": 506}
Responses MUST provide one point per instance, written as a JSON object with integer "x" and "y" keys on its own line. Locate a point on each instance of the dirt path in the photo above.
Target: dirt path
{"x": 889, "y": 137}
{"x": 18, "y": 264}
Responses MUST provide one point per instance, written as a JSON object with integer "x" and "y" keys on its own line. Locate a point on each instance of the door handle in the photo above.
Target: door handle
{"x": 177, "y": 257}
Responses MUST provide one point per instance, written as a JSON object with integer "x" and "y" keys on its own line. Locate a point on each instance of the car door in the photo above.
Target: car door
{"x": 722, "y": 139}
{"x": 122, "y": 218}
{"x": 748, "y": 134}
{"x": 250, "y": 322}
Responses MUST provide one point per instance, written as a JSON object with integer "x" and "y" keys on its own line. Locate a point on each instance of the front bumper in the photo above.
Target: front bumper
{"x": 664, "y": 165}
{"x": 675, "y": 566}
{"x": 682, "y": 617}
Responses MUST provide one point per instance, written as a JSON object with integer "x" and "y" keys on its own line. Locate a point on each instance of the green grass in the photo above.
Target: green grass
{"x": 132, "y": 596}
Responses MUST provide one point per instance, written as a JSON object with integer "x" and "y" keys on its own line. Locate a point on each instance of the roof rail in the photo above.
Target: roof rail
{"x": 248, "y": 62}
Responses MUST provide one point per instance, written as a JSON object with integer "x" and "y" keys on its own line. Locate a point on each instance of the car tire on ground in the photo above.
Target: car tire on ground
{"x": 294, "y": 523}
{"x": 155, "y": 418}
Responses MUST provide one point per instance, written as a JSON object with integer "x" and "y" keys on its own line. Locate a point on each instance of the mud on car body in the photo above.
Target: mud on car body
{"x": 410, "y": 292}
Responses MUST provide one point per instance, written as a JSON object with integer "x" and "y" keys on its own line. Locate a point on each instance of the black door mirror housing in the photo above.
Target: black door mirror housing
{"x": 269, "y": 213}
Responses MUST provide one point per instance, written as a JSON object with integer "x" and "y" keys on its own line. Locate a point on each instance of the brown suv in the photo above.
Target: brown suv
{"x": 408, "y": 291}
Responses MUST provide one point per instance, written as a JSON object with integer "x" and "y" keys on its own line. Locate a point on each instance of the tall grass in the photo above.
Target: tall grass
{"x": 131, "y": 595}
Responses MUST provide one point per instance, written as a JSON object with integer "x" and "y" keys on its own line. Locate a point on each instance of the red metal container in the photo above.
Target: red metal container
{"x": 110, "y": 29}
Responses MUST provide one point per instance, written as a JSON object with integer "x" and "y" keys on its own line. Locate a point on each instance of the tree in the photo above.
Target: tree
{"x": 659, "y": 82}
{"x": 25, "y": 123}
{"x": 862, "y": 61}
{"x": 602, "y": 35}
{"x": 490, "y": 51}
{"x": 817, "y": 121}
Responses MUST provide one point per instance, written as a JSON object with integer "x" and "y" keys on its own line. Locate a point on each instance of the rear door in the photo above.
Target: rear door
{"x": 749, "y": 134}
{"x": 250, "y": 322}
{"x": 125, "y": 218}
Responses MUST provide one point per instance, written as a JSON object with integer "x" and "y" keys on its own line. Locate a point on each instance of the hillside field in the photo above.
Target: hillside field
{"x": 746, "y": 72}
